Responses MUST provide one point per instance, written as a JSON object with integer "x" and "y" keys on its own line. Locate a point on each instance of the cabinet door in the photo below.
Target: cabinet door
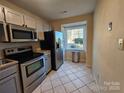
{"x": 41, "y": 35}
{"x": 46, "y": 27}
{"x": 13, "y": 17}
{"x": 10, "y": 84}
{"x": 30, "y": 22}
{"x": 1, "y": 14}
{"x": 39, "y": 25}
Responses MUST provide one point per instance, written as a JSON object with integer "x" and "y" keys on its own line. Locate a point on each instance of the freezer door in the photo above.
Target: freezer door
{"x": 59, "y": 49}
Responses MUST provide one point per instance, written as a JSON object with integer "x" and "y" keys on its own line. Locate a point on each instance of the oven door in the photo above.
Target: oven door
{"x": 19, "y": 33}
{"x": 32, "y": 70}
{"x": 3, "y": 32}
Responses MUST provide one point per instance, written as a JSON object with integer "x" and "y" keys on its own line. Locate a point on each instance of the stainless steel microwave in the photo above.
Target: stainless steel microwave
{"x": 21, "y": 34}
{"x": 3, "y": 33}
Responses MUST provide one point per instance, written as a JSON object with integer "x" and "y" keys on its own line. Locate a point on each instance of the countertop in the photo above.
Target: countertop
{"x": 6, "y": 65}
{"x": 43, "y": 51}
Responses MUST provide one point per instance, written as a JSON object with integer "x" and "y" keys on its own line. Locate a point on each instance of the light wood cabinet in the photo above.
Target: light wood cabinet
{"x": 10, "y": 83}
{"x": 41, "y": 35}
{"x": 13, "y": 17}
{"x": 29, "y": 21}
{"x": 46, "y": 27}
{"x": 39, "y": 26}
{"x": 1, "y": 14}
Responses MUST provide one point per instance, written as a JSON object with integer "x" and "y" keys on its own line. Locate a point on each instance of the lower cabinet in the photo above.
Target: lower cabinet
{"x": 10, "y": 84}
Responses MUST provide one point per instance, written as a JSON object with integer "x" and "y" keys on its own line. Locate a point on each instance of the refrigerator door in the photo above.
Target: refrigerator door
{"x": 58, "y": 49}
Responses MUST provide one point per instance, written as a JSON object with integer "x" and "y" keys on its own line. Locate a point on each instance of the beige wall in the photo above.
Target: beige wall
{"x": 108, "y": 60}
{"x": 56, "y": 24}
{"x": 16, "y": 8}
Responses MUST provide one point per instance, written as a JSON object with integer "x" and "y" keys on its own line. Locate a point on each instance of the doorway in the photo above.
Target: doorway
{"x": 75, "y": 35}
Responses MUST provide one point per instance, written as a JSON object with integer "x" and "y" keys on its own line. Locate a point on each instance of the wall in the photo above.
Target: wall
{"x": 16, "y": 8}
{"x": 56, "y": 24}
{"x": 108, "y": 60}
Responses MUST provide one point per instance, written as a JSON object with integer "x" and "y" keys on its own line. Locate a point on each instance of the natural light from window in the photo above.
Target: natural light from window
{"x": 74, "y": 37}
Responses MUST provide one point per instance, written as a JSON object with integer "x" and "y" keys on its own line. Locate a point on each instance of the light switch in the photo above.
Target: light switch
{"x": 110, "y": 26}
{"x": 121, "y": 43}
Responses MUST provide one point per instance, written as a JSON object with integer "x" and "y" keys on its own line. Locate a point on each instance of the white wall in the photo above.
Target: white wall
{"x": 108, "y": 60}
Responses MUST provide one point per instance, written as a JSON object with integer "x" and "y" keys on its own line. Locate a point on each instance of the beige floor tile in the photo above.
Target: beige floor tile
{"x": 68, "y": 79}
{"x": 87, "y": 79}
{"x": 78, "y": 83}
{"x": 61, "y": 74}
{"x": 37, "y": 90}
{"x": 65, "y": 79}
{"x": 56, "y": 83}
{"x": 68, "y": 72}
{"x": 80, "y": 74}
{"x": 85, "y": 89}
{"x": 70, "y": 87}
{"x": 72, "y": 77}
{"x": 59, "y": 89}
{"x": 47, "y": 79}
{"x": 49, "y": 91}
{"x": 93, "y": 87}
{"x": 53, "y": 76}
{"x": 74, "y": 70}
{"x": 77, "y": 91}
{"x": 46, "y": 86}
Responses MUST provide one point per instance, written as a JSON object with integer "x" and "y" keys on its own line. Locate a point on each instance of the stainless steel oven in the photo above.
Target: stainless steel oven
{"x": 21, "y": 34}
{"x": 3, "y": 32}
{"x": 31, "y": 65}
{"x": 32, "y": 72}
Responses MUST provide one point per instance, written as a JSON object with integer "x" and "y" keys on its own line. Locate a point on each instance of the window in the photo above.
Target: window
{"x": 74, "y": 37}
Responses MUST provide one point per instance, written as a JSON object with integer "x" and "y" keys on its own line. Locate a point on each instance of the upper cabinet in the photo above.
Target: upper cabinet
{"x": 29, "y": 21}
{"x": 13, "y": 17}
{"x": 41, "y": 35}
{"x": 39, "y": 25}
{"x": 1, "y": 14}
{"x": 46, "y": 27}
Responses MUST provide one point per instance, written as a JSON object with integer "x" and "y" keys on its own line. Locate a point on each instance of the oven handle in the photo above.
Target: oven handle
{"x": 32, "y": 61}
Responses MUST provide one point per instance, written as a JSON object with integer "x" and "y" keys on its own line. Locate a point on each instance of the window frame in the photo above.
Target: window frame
{"x": 84, "y": 23}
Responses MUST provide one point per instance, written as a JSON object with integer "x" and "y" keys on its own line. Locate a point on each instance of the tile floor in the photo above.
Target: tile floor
{"x": 70, "y": 78}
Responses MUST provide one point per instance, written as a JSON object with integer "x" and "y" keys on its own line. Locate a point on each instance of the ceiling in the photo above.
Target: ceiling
{"x": 57, "y": 9}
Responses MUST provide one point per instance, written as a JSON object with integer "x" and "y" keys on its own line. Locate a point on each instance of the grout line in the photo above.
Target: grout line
{"x": 66, "y": 74}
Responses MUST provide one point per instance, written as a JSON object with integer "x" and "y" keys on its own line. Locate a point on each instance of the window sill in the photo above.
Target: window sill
{"x": 69, "y": 49}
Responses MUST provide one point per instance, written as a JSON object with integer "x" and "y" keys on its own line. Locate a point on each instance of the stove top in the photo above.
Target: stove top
{"x": 24, "y": 57}
{"x": 22, "y": 54}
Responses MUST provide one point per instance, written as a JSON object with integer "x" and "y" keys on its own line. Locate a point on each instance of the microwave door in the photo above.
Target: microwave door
{"x": 21, "y": 36}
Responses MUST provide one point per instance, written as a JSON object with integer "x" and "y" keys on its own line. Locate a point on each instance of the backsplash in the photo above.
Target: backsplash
{"x": 10, "y": 45}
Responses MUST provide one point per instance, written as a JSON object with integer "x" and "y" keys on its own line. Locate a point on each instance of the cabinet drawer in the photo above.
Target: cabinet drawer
{"x": 7, "y": 72}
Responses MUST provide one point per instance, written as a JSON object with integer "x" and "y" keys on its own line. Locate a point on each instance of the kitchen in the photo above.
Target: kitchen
{"x": 26, "y": 65}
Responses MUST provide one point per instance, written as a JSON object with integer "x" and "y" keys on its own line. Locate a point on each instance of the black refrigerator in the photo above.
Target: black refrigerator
{"x": 54, "y": 42}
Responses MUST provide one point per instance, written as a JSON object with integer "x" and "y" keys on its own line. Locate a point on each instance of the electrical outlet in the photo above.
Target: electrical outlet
{"x": 121, "y": 43}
